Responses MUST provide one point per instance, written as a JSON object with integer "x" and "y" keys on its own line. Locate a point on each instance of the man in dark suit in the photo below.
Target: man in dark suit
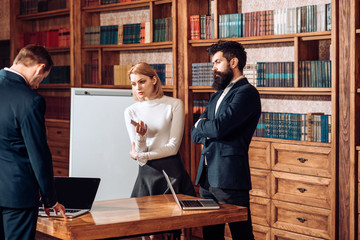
{"x": 225, "y": 130}
{"x": 26, "y": 171}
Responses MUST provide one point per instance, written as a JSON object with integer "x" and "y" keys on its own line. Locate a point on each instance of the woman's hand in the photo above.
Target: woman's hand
{"x": 133, "y": 153}
{"x": 141, "y": 128}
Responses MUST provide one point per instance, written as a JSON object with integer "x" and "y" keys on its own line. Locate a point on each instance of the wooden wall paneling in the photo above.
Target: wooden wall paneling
{"x": 346, "y": 155}
{"x": 76, "y": 35}
{"x": 183, "y": 32}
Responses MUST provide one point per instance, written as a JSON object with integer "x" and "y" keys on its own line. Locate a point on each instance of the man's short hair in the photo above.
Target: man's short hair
{"x": 230, "y": 49}
{"x": 34, "y": 54}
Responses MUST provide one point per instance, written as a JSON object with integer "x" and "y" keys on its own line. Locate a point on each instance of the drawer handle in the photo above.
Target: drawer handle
{"x": 58, "y": 132}
{"x": 302, "y": 160}
{"x": 59, "y": 152}
{"x": 302, "y": 190}
{"x": 302, "y": 220}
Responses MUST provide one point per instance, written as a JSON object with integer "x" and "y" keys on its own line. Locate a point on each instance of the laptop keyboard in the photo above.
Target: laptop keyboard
{"x": 189, "y": 203}
{"x": 66, "y": 210}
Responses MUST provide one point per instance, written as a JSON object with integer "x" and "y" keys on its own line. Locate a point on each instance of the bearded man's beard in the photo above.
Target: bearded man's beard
{"x": 222, "y": 79}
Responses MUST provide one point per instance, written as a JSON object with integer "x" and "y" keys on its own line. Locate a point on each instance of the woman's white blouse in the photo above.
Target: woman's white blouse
{"x": 165, "y": 125}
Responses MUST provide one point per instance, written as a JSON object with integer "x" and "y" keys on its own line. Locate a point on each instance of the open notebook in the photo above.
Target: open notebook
{"x": 77, "y": 194}
{"x": 191, "y": 204}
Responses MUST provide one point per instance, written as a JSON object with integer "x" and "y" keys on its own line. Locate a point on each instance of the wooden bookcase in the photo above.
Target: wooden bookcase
{"x": 57, "y": 122}
{"x": 294, "y": 182}
{"x": 112, "y": 54}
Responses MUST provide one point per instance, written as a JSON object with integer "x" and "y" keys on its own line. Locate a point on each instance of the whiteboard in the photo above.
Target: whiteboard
{"x": 99, "y": 142}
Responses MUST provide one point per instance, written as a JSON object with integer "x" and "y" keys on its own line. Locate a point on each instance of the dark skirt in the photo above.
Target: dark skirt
{"x": 151, "y": 180}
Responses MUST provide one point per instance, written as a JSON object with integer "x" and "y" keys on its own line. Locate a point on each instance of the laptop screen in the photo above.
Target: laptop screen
{"x": 76, "y": 192}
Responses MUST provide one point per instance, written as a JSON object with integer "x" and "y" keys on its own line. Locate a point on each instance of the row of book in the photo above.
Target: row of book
{"x": 35, "y": 6}
{"x": 315, "y": 74}
{"x": 129, "y": 33}
{"x": 118, "y": 74}
{"x": 163, "y": 29}
{"x": 57, "y": 107}
{"x": 202, "y": 26}
{"x": 311, "y": 18}
{"x": 250, "y": 72}
{"x": 275, "y": 74}
{"x": 105, "y": 2}
{"x": 199, "y": 106}
{"x": 117, "y": 34}
{"x": 312, "y": 127}
{"x": 91, "y": 72}
{"x": 272, "y": 74}
{"x": 281, "y": 74}
{"x": 165, "y": 72}
{"x": 57, "y": 37}
{"x": 202, "y": 74}
{"x": 58, "y": 74}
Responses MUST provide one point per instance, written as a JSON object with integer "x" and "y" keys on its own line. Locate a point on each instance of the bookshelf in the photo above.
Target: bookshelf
{"x": 103, "y": 56}
{"x": 49, "y": 23}
{"x": 294, "y": 182}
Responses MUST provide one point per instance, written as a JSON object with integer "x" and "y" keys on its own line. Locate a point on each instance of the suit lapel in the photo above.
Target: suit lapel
{"x": 212, "y": 105}
{"x": 239, "y": 83}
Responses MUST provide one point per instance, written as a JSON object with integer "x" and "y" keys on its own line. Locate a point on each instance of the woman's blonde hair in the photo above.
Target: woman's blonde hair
{"x": 145, "y": 69}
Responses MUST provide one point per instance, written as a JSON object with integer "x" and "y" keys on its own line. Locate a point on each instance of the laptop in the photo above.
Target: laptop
{"x": 191, "y": 204}
{"x": 77, "y": 194}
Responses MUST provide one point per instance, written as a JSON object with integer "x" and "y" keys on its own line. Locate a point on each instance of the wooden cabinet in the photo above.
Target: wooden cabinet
{"x": 58, "y": 133}
{"x": 302, "y": 189}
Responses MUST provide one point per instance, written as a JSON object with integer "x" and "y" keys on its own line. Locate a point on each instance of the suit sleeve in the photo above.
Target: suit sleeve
{"x": 196, "y": 136}
{"x": 243, "y": 106}
{"x": 34, "y": 134}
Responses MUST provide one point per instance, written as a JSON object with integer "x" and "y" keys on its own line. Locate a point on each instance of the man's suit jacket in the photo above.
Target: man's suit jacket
{"x": 226, "y": 136}
{"x": 25, "y": 160}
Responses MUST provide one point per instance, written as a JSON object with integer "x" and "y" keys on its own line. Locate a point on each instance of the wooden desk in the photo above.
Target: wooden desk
{"x": 133, "y": 216}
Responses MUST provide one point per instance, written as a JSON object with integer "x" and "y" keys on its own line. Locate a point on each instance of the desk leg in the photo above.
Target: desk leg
{"x": 187, "y": 234}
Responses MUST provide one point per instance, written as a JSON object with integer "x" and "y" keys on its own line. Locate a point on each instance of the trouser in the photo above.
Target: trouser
{"x": 239, "y": 230}
{"x": 18, "y": 223}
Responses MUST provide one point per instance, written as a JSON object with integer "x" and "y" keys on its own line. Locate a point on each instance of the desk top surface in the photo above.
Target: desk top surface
{"x": 132, "y": 216}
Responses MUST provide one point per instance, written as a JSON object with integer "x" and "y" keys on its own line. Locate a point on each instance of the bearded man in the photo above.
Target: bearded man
{"x": 225, "y": 130}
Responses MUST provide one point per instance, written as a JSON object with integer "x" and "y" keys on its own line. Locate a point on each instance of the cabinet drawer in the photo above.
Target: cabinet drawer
{"x": 302, "y": 219}
{"x": 309, "y": 160}
{"x": 60, "y": 168}
{"x": 260, "y": 181}
{"x": 58, "y": 134}
{"x": 59, "y": 151}
{"x": 260, "y": 209}
{"x": 308, "y": 190}
{"x": 261, "y": 232}
{"x": 259, "y": 154}
{"x": 283, "y": 235}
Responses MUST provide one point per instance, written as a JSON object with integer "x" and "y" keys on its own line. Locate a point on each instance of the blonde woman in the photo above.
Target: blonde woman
{"x": 155, "y": 124}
